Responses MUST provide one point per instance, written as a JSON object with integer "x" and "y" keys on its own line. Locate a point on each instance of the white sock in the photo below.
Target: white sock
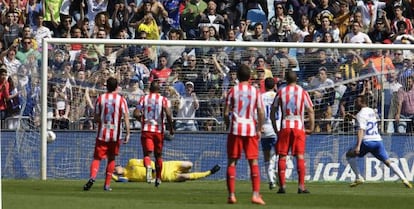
{"x": 397, "y": 171}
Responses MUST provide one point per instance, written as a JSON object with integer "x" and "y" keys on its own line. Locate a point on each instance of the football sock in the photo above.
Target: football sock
{"x": 301, "y": 173}
{"x": 158, "y": 167}
{"x": 255, "y": 177}
{"x": 94, "y": 168}
{"x": 109, "y": 170}
{"x": 397, "y": 171}
{"x": 147, "y": 161}
{"x": 282, "y": 169}
{"x": 231, "y": 179}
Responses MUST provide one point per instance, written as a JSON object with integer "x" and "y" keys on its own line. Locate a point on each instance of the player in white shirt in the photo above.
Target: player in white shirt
{"x": 369, "y": 141}
{"x": 269, "y": 137}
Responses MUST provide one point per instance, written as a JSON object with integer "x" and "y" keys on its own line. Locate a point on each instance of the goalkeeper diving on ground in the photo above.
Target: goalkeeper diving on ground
{"x": 173, "y": 171}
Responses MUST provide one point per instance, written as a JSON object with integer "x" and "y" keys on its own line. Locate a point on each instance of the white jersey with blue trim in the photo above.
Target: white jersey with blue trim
{"x": 367, "y": 120}
{"x": 268, "y": 98}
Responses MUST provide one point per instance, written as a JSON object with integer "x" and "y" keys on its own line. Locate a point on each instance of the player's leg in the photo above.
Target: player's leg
{"x": 381, "y": 154}
{"x": 148, "y": 148}
{"x": 99, "y": 152}
{"x": 351, "y": 157}
{"x": 251, "y": 149}
{"x": 158, "y": 145}
{"x": 234, "y": 149}
{"x": 267, "y": 146}
{"x": 113, "y": 151}
{"x": 298, "y": 149}
{"x": 282, "y": 148}
{"x": 185, "y": 166}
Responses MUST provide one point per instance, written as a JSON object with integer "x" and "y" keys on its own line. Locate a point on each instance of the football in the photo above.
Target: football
{"x": 51, "y": 136}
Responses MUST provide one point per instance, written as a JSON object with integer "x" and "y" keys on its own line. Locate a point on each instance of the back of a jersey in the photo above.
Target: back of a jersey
{"x": 367, "y": 120}
{"x": 111, "y": 107}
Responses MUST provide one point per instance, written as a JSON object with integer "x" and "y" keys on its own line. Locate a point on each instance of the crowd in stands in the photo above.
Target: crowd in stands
{"x": 197, "y": 79}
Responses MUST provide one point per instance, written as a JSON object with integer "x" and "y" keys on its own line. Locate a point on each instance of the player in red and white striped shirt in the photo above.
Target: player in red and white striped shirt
{"x": 293, "y": 100}
{"x": 110, "y": 107}
{"x": 151, "y": 110}
{"x": 245, "y": 104}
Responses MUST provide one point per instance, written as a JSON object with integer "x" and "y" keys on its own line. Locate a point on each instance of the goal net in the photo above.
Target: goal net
{"x": 196, "y": 75}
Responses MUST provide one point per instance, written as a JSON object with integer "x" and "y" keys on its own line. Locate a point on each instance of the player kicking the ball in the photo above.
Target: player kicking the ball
{"x": 369, "y": 141}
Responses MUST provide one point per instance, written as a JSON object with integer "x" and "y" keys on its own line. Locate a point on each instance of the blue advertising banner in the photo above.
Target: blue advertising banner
{"x": 69, "y": 157}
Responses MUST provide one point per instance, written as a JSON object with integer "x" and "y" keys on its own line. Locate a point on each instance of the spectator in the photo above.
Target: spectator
{"x": 392, "y": 104}
{"x": 192, "y": 71}
{"x": 119, "y": 17}
{"x": 339, "y": 93}
{"x": 141, "y": 71}
{"x": 324, "y": 8}
{"x": 327, "y": 27}
{"x": 380, "y": 32}
{"x": 34, "y": 9}
{"x": 188, "y": 106}
{"x": 258, "y": 35}
{"x": 63, "y": 98}
{"x": 193, "y": 8}
{"x": 23, "y": 54}
{"x": 162, "y": 72}
{"x": 369, "y": 10}
{"x": 150, "y": 27}
{"x": 351, "y": 66}
{"x": 173, "y": 52}
{"x": 322, "y": 60}
{"x": 210, "y": 18}
{"x": 95, "y": 7}
{"x": 4, "y": 93}
{"x": 346, "y": 105}
{"x": 356, "y": 35}
{"x": 398, "y": 11}
{"x": 323, "y": 98}
{"x": 10, "y": 30}
{"x": 281, "y": 27}
{"x": 405, "y": 107}
{"x": 342, "y": 18}
{"x": 40, "y": 31}
{"x": 10, "y": 61}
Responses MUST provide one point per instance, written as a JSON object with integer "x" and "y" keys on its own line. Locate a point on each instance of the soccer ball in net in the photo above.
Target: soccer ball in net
{"x": 51, "y": 136}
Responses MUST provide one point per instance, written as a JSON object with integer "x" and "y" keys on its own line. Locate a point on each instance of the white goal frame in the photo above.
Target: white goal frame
{"x": 47, "y": 41}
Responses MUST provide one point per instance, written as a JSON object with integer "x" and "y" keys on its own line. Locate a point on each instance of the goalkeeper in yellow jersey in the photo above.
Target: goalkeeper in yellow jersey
{"x": 173, "y": 171}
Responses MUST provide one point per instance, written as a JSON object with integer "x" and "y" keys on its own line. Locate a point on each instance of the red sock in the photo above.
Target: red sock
{"x": 147, "y": 161}
{"x": 94, "y": 168}
{"x": 158, "y": 167}
{"x": 301, "y": 172}
{"x": 231, "y": 179}
{"x": 282, "y": 169}
{"x": 109, "y": 170}
{"x": 255, "y": 177}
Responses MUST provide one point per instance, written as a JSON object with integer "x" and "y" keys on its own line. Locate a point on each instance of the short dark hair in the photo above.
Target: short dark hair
{"x": 291, "y": 77}
{"x": 269, "y": 83}
{"x": 364, "y": 99}
{"x": 243, "y": 73}
{"x": 154, "y": 86}
{"x": 111, "y": 84}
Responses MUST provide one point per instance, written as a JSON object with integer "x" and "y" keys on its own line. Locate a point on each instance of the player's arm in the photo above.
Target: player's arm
{"x": 127, "y": 125}
{"x": 226, "y": 116}
{"x": 97, "y": 114}
{"x": 274, "y": 108}
{"x": 311, "y": 115}
{"x": 360, "y": 136}
{"x": 168, "y": 114}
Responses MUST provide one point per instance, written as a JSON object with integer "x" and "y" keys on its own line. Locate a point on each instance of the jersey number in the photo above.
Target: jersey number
{"x": 372, "y": 129}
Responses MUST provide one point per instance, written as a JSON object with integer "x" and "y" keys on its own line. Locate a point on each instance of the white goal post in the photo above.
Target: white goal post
{"x": 48, "y": 41}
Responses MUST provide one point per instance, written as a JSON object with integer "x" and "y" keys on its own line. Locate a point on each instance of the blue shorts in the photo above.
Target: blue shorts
{"x": 376, "y": 148}
{"x": 268, "y": 143}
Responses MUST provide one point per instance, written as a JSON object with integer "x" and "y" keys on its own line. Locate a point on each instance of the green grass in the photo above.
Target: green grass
{"x": 68, "y": 194}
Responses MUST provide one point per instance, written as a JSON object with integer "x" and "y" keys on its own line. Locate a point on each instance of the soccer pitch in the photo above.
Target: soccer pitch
{"x": 68, "y": 194}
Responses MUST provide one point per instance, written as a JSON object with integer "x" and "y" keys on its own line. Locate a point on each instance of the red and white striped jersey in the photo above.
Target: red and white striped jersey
{"x": 293, "y": 100}
{"x": 151, "y": 107}
{"x": 243, "y": 101}
{"x": 111, "y": 107}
